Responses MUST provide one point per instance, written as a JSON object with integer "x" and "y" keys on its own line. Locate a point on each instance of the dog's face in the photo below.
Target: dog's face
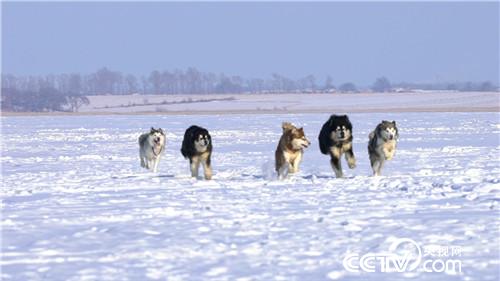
{"x": 202, "y": 140}
{"x": 296, "y": 137}
{"x": 156, "y": 137}
{"x": 299, "y": 140}
{"x": 340, "y": 128}
{"x": 388, "y": 130}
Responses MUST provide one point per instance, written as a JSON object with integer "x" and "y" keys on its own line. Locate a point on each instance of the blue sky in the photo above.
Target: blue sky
{"x": 357, "y": 41}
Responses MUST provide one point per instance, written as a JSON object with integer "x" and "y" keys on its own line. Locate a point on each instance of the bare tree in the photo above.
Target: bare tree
{"x": 75, "y": 102}
{"x": 381, "y": 85}
{"x": 329, "y": 83}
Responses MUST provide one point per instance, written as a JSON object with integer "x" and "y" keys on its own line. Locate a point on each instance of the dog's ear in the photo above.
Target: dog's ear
{"x": 152, "y": 130}
{"x": 396, "y": 128}
{"x": 161, "y": 131}
{"x": 348, "y": 122}
{"x": 330, "y": 121}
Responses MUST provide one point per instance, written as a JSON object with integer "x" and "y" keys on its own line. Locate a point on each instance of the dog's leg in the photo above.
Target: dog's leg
{"x": 283, "y": 171}
{"x": 195, "y": 165}
{"x": 349, "y": 157}
{"x": 207, "y": 168}
{"x": 335, "y": 154}
{"x": 336, "y": 166}
{"x": 380, "y": 166}
{"x": 156, "y": 162}
{"x": 296, "y": 163}
{"x": 376, "y": 164}
{"x": 149, "y": 164}
{"x": 141, "y": 156}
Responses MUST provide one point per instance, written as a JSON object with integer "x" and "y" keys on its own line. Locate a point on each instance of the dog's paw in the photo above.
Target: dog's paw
{"x": 351, "y": 164}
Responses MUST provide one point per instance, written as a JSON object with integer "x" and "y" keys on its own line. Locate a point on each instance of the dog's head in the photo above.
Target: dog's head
{"x": 340, "y": 127}
{"x": 156, "y": 136}
{"x": 388, "y": 130}
{"x": 296, "y": 136}
{"x": 201, "y": 140}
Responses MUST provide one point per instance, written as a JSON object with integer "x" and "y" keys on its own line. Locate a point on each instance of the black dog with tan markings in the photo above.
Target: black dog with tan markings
{"x": 335, "y": 138}
{"x": 197, "y": 147}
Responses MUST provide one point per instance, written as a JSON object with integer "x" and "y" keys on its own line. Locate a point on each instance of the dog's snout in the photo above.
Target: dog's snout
{"x": 391, "y": 137}
{"x": 342, "y": 134}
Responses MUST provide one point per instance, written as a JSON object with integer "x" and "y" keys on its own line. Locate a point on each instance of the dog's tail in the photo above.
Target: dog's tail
{"x": 372, "y": 142}
{"x": 324, "y": 139}
{"x": 287, "y": 126}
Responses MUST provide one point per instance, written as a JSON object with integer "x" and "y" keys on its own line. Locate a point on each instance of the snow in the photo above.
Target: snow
{"x": 77, "y": 206}
{"x": 303, "y": 103}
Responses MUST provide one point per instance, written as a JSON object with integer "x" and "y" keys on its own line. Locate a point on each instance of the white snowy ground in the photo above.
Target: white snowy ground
{"x": 304, "y": 103}
{"x": 77, "y": 206}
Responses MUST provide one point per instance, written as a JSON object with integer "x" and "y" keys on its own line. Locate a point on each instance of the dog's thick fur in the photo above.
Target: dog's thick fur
{"x": 197, "y": 147}
{"x": 290, "y": 149}
{"x": 382, "y": 145}
{"x": 335, "y": 138}
{"x": 151, "y": 147}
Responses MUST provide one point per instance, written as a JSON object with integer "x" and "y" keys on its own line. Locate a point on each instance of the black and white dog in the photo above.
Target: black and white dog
{"x": 382, "y": 145}
{"x": 151, "y": 147}
{"x": 335, "y": 138}
{"x": 197, "y": 146}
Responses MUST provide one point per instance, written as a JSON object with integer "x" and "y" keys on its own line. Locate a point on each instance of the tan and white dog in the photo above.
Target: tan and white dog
{"x": 382, "y": 145}
{"x": 290, "y": 149}
{"x": 151, "y": 147}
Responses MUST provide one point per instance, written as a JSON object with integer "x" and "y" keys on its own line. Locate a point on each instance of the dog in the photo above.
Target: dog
{"x": 151, "y": 147}
{"x": 290, "y": 149}
{"x": 197, "y": 147}
{"x": 335, "y": 138}
{"x": 382, "y": 145}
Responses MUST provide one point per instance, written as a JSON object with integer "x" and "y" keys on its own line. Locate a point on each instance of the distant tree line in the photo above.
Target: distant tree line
{"x": 67, "y": 92}
{"x": 190, "y": 81}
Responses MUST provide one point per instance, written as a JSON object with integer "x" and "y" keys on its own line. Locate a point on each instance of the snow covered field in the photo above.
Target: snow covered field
{"x": 77, "y": 206}
{"x": 296, "y": 103}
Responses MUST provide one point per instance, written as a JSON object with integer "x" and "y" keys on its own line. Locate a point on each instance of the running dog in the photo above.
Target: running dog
{"x": 197, "y": 147}
{"x": 335, "y": 138}
{"x": 290, "y": 149}
{"x": 382, "y": 145}
{"x": 151, "y": 147}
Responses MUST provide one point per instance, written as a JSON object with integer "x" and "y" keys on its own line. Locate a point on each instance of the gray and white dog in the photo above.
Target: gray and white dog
{"x": 151, "y": 147}
{"x": 382, "y": 145}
